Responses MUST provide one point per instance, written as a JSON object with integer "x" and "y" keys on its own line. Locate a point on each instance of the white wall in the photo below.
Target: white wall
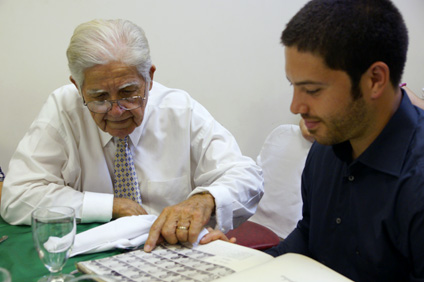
{"x": 225, "y": 53}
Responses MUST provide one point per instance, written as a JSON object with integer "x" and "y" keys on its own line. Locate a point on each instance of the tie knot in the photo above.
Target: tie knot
{"x": 123, "y": 142}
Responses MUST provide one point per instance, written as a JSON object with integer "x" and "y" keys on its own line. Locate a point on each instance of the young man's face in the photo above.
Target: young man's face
{"x": 323, "y": 98}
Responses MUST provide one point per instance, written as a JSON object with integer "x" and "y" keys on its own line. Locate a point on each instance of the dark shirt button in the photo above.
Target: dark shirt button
{"x": 338, "y": 220}
{"x": 351, "y": 178}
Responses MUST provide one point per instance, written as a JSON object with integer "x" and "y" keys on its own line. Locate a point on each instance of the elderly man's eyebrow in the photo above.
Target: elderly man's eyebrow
{"x": 129, "y": 84}
{"x": 95, "y": 91}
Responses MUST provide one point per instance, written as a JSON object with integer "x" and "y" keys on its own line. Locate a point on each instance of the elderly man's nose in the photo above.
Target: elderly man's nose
{"x": 116, "y": 109}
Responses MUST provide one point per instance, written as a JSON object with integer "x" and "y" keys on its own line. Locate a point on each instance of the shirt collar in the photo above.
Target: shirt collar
{"x": 388, "y": 150}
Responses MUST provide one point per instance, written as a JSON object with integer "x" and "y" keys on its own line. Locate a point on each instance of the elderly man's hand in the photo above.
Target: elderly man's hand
{"x": 126, "y": 207}
{"x": 182, "y": 222}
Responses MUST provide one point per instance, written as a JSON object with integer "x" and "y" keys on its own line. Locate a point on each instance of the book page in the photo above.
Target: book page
{"x": 177, "y": 263}
{"x": 288, "y": 268}
{"x": 234, "y": 256}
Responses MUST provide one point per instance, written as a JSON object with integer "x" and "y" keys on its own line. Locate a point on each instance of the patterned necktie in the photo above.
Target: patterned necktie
{"x": 125, "y": 183}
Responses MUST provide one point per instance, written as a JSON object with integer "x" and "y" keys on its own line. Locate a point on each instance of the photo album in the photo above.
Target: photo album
{"x": 216, "y": 261}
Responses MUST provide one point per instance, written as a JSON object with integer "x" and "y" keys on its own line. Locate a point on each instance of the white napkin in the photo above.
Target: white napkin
{"x": 124, "y": 232}
{"x": 60, "y": 244}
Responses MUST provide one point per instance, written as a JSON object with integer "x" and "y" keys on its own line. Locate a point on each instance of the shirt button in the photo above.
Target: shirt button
{"x": 338, "y": 220}
{"x": 351, "y": 178}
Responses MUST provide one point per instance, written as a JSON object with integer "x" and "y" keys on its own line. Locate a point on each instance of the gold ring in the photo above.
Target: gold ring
{"x": 182, "y": 227}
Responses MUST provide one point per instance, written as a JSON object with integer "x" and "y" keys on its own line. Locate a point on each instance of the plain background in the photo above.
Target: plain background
{"x": 225, "y": 53}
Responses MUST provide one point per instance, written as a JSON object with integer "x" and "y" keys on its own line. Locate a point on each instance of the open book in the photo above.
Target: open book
{"x": 216, "y": 261}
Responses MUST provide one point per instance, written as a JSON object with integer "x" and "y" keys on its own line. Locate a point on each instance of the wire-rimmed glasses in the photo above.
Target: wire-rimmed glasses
{"x": 102, "y": 107}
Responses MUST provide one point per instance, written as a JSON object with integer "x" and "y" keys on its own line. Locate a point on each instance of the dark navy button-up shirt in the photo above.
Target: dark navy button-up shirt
{"x": 364, "y": 218}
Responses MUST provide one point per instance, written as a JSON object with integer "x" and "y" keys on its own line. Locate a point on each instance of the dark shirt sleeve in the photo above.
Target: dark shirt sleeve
{"x": 294, "y": 243}
{"x": 415, "y": 234}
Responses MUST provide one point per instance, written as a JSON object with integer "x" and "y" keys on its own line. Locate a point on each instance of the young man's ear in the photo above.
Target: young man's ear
{"x": 379, "y": 78}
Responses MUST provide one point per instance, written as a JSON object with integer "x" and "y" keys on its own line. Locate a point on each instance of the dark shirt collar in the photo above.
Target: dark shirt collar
{"x": 388, "y": 150}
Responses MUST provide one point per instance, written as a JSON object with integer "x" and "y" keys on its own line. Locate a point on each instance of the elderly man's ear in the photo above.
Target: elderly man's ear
{"x": 74, "y": 82}
{"x": 152, "y": 74}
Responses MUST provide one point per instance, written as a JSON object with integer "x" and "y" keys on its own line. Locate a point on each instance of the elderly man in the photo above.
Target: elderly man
{"x": 363, "y": 182}
{"x": 115, "y": 143}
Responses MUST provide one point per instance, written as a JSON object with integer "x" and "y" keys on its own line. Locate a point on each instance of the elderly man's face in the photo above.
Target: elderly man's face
{"x": 115, "y": 81}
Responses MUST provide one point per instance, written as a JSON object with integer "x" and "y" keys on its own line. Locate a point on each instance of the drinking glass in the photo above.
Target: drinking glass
{"x": 4, "y": 275}
{"x": 93, "y": 278}
{"x": 53, "y": 231}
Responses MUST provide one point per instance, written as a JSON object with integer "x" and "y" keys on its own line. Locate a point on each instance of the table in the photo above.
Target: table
{"x": 18, "y": 254}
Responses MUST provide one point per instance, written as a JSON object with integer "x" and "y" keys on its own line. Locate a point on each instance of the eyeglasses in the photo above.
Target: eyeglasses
{"x": 102, "y": 107}
{"x": 1, "y": 175}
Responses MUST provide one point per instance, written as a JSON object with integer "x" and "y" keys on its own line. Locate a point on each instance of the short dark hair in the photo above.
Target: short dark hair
{"x": 351, "y": 35}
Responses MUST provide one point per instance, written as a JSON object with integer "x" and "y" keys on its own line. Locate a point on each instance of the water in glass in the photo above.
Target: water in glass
{"x": 53, "y": 231}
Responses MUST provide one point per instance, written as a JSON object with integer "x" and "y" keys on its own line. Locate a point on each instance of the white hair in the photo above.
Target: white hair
{"x": 100, "y": 42}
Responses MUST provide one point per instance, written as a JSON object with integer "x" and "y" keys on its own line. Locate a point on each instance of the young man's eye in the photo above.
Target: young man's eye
{"x": 312, "y": 91}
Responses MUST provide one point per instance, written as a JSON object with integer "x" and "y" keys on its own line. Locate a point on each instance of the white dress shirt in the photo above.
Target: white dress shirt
{"x": 179, "y": 150}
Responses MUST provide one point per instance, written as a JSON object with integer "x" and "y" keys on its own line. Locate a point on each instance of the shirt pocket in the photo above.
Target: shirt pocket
{"x": 160, "y": 194}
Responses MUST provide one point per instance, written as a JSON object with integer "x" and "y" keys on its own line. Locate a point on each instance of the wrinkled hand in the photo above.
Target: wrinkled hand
{"x": 126, "y": 207}
{"x": 190, "y": 215}
{"x": 215, "y": 234}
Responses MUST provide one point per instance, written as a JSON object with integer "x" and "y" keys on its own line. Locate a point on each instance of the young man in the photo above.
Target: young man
{"x": 363, "y": 182}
